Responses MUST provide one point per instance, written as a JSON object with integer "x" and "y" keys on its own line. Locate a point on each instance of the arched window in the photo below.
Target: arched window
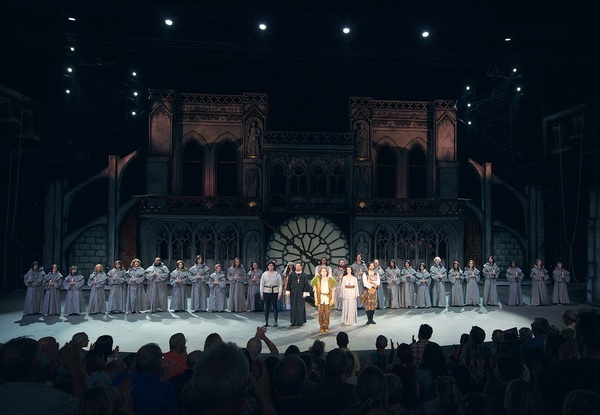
{"x": 227, "y": 170}
{"x": 192, "y": 178}
{"x": 417, "y": 174}
{"x": 386, "y": 173}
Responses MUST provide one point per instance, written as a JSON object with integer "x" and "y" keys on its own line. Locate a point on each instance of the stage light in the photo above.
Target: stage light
{"x": 71, "y": 19}
{"x": 134, "y": 73}
{"x": 507, "y": 39}
{"x": 469, "y": 105}
{"x": 514, "y": 70}
{"x": 169, "y": 22}
{"x": 518, "y": 89}
{"x": 133, "y": 112}
{"x": 425, "y": 34}
{"x": 346, "y": 30}
{"x": 469, "y": 122}
{"x": 135, "y": 94}
{"x": 69, "y": 70}
{"x": 262, "y": 26}
{"x": 468, "y": 88}
{"x": 72, "y": 49}
{"x": 67, "y": 91}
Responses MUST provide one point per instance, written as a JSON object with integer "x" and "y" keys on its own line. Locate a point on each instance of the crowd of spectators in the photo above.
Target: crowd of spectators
{"x": 535, "y": 371}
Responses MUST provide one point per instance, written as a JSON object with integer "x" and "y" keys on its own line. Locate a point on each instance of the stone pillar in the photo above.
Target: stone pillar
{"x": 592, "y": 287}
{"x": 161, "y": 143}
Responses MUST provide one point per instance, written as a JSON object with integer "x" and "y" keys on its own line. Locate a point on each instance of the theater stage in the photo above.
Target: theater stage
{"x": 133, "y": 330}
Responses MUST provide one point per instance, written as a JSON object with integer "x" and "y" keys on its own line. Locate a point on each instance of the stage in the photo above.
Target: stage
{"x": 130, "y": 331}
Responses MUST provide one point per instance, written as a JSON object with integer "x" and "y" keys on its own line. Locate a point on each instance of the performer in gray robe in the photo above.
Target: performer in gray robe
{"x": 471, "y": 275}
{"x": 439, "y": 276}
{"x": 298, "y": 284}
{"x": 198, "y": 277}
{"x": 423, "y": 281}
{"x": 236, "y": 275}
{"x": 382, "y": 286}
{"x": 217, "y": 282}
{"x": 456, "y": 278}
{"x": 358, "y": 269}
{"x": 253, "y": 282}
{"x": 338, "y": 273}
{"x": 116, "y": 295}
{"x": 52, "y": 283}
{"x": 157, "y": 276}
{"x": 73, "y": 283}
{"x": 490, "y": 272}
{"x": 96, "y": 282}
{"x": 407, "y": 287}
{"x": 393, "y": 277}
{"x": 136, "y": 294}
{"x": 34, "y": 281}
{"x": 539, "y": 291}
{"x": 179, "y": 277}
{"x": 514, "y": 275}
{"x": 560, "y": 293}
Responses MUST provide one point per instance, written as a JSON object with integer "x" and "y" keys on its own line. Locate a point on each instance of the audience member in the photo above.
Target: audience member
{"x": 523, "y": 398}
{"x": 448, "y": 398}
{"x": 581, "y": 402}
{"x": 371, "y": 392}
{"x": 105, "y": 400}
{"x": 406, "y": 370}
{"x": 395, "y": 392}
{"x": 480, "y": 404}
{"x": 471, "y": 374}
{"x": 316, "y": 353}
{"x": 378, "y": 358}
{"x": 175, "y": 360}
{"x": 433, "y": 365}
{"x": 569, "y": 317}
{"x": 507, "y": 368}
{"x": 212, "y": 340}
{"x": 342, "y": 342}
{"x": 418, "y": 347}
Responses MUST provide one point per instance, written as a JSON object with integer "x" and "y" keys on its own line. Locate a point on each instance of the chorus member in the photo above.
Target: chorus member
{"x": 178, "y": 279}
{"x": 323, "y": 285}
{"x": 439, "y": 276}
{"x": 34, "y": 281}
{"x": 236, "y": 275}
{"x": 515, "y": 276}
{"x": 136, "y": 294}
{"x": 73, "y": 283}
{"x": 271, "y": 286}
{"x": 157, "y": 276}
{"x": 359, "y": 268}
{"x": 298, "y": 288}
{"x": 198, "y": 277}
{"x": 382, "y": 286}
{"x": 423, "y": 282}
{"x": 217, "y": 282}
{"x": 490, "y": 272}
{"x": 338, "y": 274}
{"x": 369, "y": 295}
{"x": 393, "y": 277}
{"x": 561, "y": 277}
{"x": 471, "y": 275}
{"x": 349, "y": 288}
{"x": 52, "y": 283}
{"x": 253, "y": 281}
{"x": 456, "y": 278}
{"x": 96, "y": 282}
{"x": 284, "y": 300}
{"x": 539, "y": 291}
{"x": 116, "y": 295}
{"x": 407, "y": 287}
{"x": 323, "y": 264}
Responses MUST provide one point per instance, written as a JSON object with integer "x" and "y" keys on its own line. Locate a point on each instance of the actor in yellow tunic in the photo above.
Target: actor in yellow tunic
{"x": 323, "y": 285}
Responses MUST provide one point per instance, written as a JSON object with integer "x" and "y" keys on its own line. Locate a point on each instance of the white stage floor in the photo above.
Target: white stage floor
{"x": 133, "y": 330}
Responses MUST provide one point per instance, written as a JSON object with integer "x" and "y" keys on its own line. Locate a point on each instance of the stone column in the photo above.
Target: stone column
{"x": 592, "y": 294}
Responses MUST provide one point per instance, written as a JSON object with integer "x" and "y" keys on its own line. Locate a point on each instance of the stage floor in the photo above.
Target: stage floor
{"x": 133, "y": 330}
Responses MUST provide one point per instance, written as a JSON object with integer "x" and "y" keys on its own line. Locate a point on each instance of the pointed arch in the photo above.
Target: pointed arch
{"x": 417, "y": 173}
{"x": 192, "y": 177}
{"x": 227, "y": 169}
{"x": 386, "y": 172}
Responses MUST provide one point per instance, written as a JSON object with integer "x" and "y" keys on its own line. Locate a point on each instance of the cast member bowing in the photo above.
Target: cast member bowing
{"x": 298, "y": 288}
{"x": 490, "y": 272}
{"x": 96, "y": 282}
{"x": 371, "y": 282}
{"x": 323, "y": 286}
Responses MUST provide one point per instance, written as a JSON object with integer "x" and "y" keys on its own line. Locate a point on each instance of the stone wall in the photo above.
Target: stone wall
{"x": 90, "y": 249}
{"x": 507, "y": 247}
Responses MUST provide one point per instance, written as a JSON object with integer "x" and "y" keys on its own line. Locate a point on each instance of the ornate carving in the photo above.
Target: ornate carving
{"x": 307, "y": 138}
{"x": 254, "y": 139}
{"x": 361, "y": 140}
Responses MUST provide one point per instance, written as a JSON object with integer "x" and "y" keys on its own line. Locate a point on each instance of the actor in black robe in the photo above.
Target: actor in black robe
{"x": 299, "y": 288}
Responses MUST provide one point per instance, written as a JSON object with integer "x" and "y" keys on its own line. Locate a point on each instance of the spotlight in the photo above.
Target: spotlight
{"x": 469, "y": 105}
{"x": 133, "y": 73}
{"x": 262, "y": 26}
{"x": 469, "y": 122}
{"x": 71, "y": 19}
{"x": 72, "y": 49}
{"x": 169, "y": 22}
{"x": 346, "y": 30}
{"x": 425, "y": 34}
{"x": 67, "y": 91}
{"x": 135, "y": 94}
{"x": 133, "y": 112}
{"x": 518, "y": 89}
{"x": 468, "y": 88}
{"x": 507, "y": 39}
{"x": 514, "y": 70}
{"x": 69, "y": 70}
